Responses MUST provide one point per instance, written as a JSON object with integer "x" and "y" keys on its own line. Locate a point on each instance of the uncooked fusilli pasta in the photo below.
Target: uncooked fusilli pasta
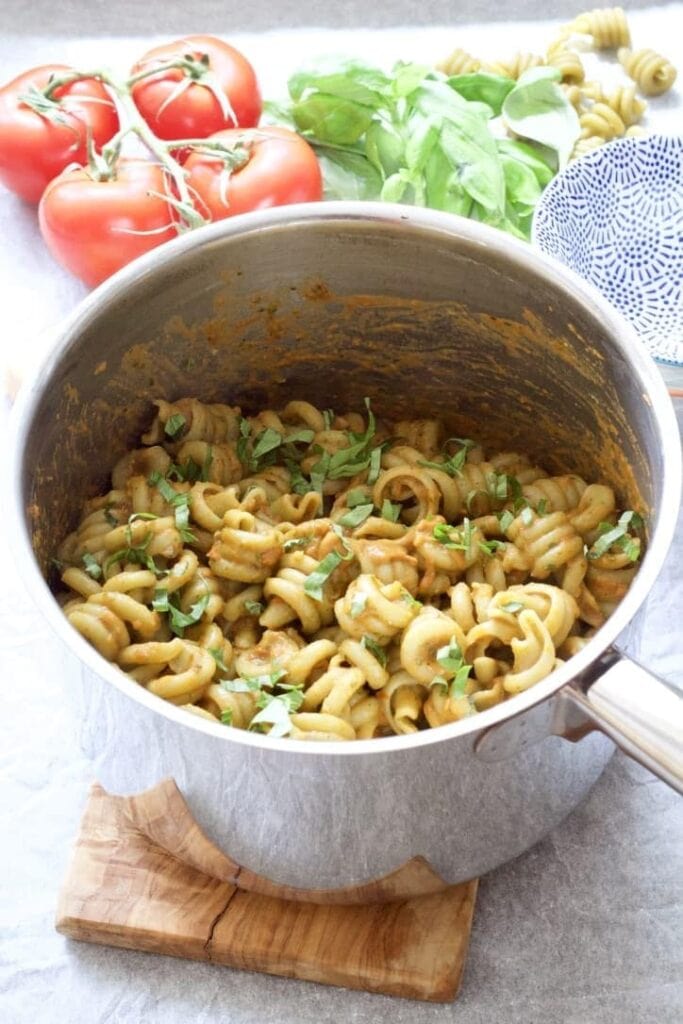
{"x": 335, "y": 577}
{"x": 652, "y": 73}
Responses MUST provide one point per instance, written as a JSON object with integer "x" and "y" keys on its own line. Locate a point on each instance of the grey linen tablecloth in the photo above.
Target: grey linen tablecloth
{"x": 587, "y": 927}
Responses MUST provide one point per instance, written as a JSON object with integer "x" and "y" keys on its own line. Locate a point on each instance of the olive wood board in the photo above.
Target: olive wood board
{"x": 144, "y": 876}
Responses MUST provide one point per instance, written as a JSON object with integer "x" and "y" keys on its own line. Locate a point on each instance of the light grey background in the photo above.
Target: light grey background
{"x": 585, "y": 928}
{"x": 137, "y": 17}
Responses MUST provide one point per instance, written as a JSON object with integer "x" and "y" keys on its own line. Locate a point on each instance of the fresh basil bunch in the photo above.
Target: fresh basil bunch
{"x": 414, "y": 136}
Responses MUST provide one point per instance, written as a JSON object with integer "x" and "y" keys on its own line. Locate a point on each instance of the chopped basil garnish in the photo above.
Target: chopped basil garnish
{"x": 318, "y": 578}
{"x": 178, "y": 620}
{"x": 358, "y": 603}
{"x": 450, "y": 659}
{"x": 134, "y": 553}
{"x": 226, "y": 716}
{"x": 296, "y": 542}
{"x": 375, "y": 649}
{"x": 489, "y": 547}
{"x": 328, "y": 418}
{"x": 179, "y": 502}
{"x": 618, "y": 536}
{"x": 542, "y": 507}
{"x": 458, "y": 538}
{"x": 453, "y": 464}
{"x": 512, "y": 607}
{"x": 390, "y": 511}
{"x": 253, "y": 684}
{"x": 253, "y": 607}
{"x": 110, "y": 517}
{"x": 275, "y": 711}
{"x": 506, "y": 519}
{"x": 92, "y": 566}
{"x": 358, "y": 496}
{"x": 355, "y": 516}
{"x": 217, "y": 655}
{"x": 174, "y": 424}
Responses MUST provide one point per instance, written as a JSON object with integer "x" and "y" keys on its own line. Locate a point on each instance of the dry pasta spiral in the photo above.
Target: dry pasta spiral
{"x": 652, "y": 73}
{"x": 607, "y": 25}
{"x": 459, "y": 62}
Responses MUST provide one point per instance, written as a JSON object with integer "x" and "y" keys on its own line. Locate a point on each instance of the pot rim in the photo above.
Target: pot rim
{"x": 441, "y": 227}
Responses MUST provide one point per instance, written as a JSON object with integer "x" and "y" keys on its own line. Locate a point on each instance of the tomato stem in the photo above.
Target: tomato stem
{"x": 135, "y": 123}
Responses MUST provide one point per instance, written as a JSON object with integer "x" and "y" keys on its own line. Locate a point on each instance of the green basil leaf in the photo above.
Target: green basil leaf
{"x": 253, "y": 607}
{"x": 375, "y": 649}
{"x": 539, "y": 159}
{"x": 217, "y": 655}
{"x": 174, "y": 425}
{"x": 358, "y": 603}
{"x": 390, "y": 511}
{"x": 483, "y": 88}
{"x": 537, "y": 108}
{"x": 355, "y": 516}
{"x": 358, "y": 496}
{"x": 331, "y": 119}
{"x": 316, "y": 580}
{"x": 347, "y": 175}
{"x": 384, "y": 148}
{"x": 226, "y": 716}
{"x": 92, "y": 566}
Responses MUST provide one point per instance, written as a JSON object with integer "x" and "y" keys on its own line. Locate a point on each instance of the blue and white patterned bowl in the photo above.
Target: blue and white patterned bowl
{"x": 615, "y": 216}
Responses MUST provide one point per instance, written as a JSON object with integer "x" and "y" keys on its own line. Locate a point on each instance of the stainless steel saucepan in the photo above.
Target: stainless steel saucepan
{"x": 429, "y": 315}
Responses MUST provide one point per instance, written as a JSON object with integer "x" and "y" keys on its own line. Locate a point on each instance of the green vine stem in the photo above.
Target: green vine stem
{"x": 134, "y": 123}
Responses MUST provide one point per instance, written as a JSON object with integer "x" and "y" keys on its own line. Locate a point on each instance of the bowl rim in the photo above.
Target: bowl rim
{"x": 441, "y": 227}
{"x": 542, "y": 217}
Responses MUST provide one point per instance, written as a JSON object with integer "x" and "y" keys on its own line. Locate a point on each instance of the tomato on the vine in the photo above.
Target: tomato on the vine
{"x": 39, "y": 138}
{"x": 216, "y": 89}
{"x": 280, "y": 168}
{"x": 94, "y": 228}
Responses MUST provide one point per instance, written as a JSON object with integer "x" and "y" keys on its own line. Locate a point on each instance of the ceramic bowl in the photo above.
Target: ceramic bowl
{"x": 615, "y": 216}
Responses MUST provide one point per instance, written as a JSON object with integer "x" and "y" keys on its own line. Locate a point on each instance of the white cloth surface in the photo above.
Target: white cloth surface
{"x": 587, "y": 926}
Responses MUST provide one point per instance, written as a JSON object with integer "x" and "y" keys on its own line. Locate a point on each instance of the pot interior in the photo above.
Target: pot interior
{"x": 426, "y": 321}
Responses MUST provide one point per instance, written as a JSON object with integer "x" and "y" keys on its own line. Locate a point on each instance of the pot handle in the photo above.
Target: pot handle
{"x": 642, "y": 713}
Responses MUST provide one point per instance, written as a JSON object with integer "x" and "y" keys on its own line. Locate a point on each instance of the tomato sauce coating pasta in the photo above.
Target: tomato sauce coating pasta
{"x": 337, "y": 577}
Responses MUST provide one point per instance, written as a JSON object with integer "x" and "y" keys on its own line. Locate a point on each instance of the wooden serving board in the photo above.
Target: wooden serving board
{"x": 143, "y": 876}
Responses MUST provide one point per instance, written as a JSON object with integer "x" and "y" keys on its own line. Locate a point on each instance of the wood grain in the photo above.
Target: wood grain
{"x": 124, "y": 889}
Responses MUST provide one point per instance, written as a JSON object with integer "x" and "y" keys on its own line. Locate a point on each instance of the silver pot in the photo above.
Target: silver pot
{"x": 428, "y": 315}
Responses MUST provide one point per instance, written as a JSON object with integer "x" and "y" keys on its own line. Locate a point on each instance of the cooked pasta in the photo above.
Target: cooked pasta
{"x": 336, "y": 577}
{"x": 652, "y": 73}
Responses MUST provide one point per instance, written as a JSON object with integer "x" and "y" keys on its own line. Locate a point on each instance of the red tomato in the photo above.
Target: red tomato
{"x": 174, "y": 112}
{"x": 282, "y": 169}
{"x": 95, "y": 227}
{"x": 33, "y": 148}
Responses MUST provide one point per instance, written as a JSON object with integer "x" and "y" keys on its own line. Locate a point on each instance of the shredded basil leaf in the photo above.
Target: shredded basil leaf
{"x": 512, "y": 607}
{"x": 318, "y": 578}
{"x": 217, "y": 655}
{"x": 375, "y": 649}
{"x": 358, "y": 603}
{"x": 618, "y": 536}
{"x": 174, "y": 424}
{"x": 253, "y": 607}
{"x": 358, "y": 496}
{"x": 92, "y": 566}
{"x": 296, "y": 542}
{"x": 355, "y": 516}
{"x": 390, "y": 511}
{"x": 226, "y": 716}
